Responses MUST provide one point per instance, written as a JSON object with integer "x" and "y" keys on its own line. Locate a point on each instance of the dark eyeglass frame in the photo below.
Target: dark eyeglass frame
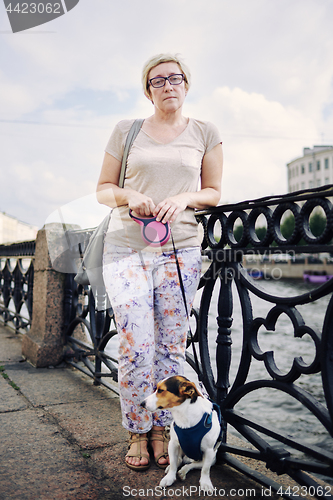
{"x": 165, "y": 78}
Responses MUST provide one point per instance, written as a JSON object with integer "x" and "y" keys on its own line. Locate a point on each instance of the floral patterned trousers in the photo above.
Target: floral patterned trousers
{"x": 152, "y": 325}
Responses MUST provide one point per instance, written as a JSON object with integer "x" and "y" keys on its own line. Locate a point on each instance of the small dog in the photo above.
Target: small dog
{"x": 195, "y": 430}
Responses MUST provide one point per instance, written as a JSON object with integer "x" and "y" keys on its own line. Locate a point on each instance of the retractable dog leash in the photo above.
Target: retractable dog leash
{"x": 155, "y": 234}
{"x": 181, "y": 283}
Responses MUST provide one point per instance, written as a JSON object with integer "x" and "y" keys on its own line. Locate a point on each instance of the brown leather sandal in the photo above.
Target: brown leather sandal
{"x": 137, "y": 438}
{"x": 164, "y": 436}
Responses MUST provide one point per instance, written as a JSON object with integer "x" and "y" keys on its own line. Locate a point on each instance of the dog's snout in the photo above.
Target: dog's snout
{"x": 149, "y": 403}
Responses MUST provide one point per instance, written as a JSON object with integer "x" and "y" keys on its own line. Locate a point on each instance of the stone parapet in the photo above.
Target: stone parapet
{"x": 43, "y": 344}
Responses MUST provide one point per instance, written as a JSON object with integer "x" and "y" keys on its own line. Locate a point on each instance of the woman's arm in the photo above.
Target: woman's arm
{"x": 110, "y": 194}
{"x": 208, "y": 196}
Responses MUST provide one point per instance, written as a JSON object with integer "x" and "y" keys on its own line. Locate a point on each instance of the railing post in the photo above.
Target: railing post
{"x": 223, "y": 340}
{"x": 43, "y": 344}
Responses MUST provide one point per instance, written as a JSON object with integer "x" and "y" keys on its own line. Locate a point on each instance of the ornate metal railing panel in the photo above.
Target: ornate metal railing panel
{"x": 89, "y": 324}
{"x": 274, "y": 446}
{"x": 16, "y": 284}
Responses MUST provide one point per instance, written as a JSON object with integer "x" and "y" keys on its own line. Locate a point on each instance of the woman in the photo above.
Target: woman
{"x": 168, "y": 159}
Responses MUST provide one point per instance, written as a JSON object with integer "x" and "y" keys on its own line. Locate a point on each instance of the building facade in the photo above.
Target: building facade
{"x": 13, "y": 230}
{"x": 313, "y": 169}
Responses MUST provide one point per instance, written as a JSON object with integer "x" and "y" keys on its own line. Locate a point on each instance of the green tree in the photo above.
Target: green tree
{"x": 317, "y": 226}
{"x": 317, "y": 223}
{"x": 287, "y": 227}
{"x": 238, "y": 232}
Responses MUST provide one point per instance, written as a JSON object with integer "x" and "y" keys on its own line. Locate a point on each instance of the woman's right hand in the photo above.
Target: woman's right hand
{"x": 140, "y": 203}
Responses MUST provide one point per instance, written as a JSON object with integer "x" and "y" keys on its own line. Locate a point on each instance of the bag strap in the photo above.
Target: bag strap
{"x": 134, "y": 130}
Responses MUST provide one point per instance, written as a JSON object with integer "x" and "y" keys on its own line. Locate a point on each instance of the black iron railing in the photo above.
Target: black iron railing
{"x": 275, "y": 447}
{"x": 16, "y": 284}
{"x": 89, "y": 323}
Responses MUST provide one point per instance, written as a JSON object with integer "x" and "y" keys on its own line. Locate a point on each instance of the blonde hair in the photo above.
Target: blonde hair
{"x": 159, "y": 59}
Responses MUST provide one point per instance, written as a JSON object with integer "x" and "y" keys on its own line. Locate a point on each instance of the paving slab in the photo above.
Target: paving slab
{"x": 38, "y": 463}
{"x": 45, "y": 386}
{"x": 10, "y": 399}
{"x": 91, "y": 425}
{"x": 128, "y": 483}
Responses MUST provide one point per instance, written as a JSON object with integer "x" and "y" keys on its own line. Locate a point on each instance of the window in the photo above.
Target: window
{"x": 327, "y": 180}
{"x": 318, "y": 164}
{"x": 302, "y": 169}
{"x": 326, "y": 163}
{"x": 310, "y": 167}
{"x": 310, "y": 184}
{"x": 318, "y": 183}
{"x": 302, "y": 185}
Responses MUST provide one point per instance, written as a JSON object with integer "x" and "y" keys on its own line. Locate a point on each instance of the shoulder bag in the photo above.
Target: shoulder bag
{"x": 90, "y": 270}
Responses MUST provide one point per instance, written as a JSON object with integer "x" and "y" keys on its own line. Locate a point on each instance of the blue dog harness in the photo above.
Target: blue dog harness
{"x": 190, "y": 438}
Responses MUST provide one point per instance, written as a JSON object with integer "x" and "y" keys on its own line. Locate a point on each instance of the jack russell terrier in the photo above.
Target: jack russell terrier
{"x": 195, "y": 431}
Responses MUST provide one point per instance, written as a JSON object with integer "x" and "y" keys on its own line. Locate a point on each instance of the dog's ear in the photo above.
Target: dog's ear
{"x": 189, "y": 390}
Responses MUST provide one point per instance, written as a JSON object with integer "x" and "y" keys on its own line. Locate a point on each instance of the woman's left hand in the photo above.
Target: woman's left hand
{"x": 169, "y": 208}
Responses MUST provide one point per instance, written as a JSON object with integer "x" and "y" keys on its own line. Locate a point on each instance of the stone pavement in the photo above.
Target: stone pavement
{"x": 61, "y": 438}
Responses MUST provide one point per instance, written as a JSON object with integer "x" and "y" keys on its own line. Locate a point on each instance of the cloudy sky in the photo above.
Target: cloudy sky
{"x": 262, "y": 71}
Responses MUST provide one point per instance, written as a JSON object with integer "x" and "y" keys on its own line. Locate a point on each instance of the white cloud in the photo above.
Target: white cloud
{"x": 262, "y": 71}
{"x": 15, "y": 98}
{"x": 259, "y": 138}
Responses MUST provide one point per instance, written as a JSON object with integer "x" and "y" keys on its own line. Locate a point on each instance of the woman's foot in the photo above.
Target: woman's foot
{"x": 137, "y": 457}
{"x": 159, "y": 439}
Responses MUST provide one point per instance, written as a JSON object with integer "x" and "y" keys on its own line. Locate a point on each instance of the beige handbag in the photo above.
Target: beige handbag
{"x": 90, "y": 271}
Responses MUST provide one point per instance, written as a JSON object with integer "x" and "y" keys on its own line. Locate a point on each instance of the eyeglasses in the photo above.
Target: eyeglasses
{"x": 159, "y": 81}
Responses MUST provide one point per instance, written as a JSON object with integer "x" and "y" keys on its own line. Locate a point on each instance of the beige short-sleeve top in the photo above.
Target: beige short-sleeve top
{"x": 159, "y": 171}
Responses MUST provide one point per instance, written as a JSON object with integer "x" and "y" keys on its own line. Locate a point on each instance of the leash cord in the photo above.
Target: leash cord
{"x": 186, "y": 309}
